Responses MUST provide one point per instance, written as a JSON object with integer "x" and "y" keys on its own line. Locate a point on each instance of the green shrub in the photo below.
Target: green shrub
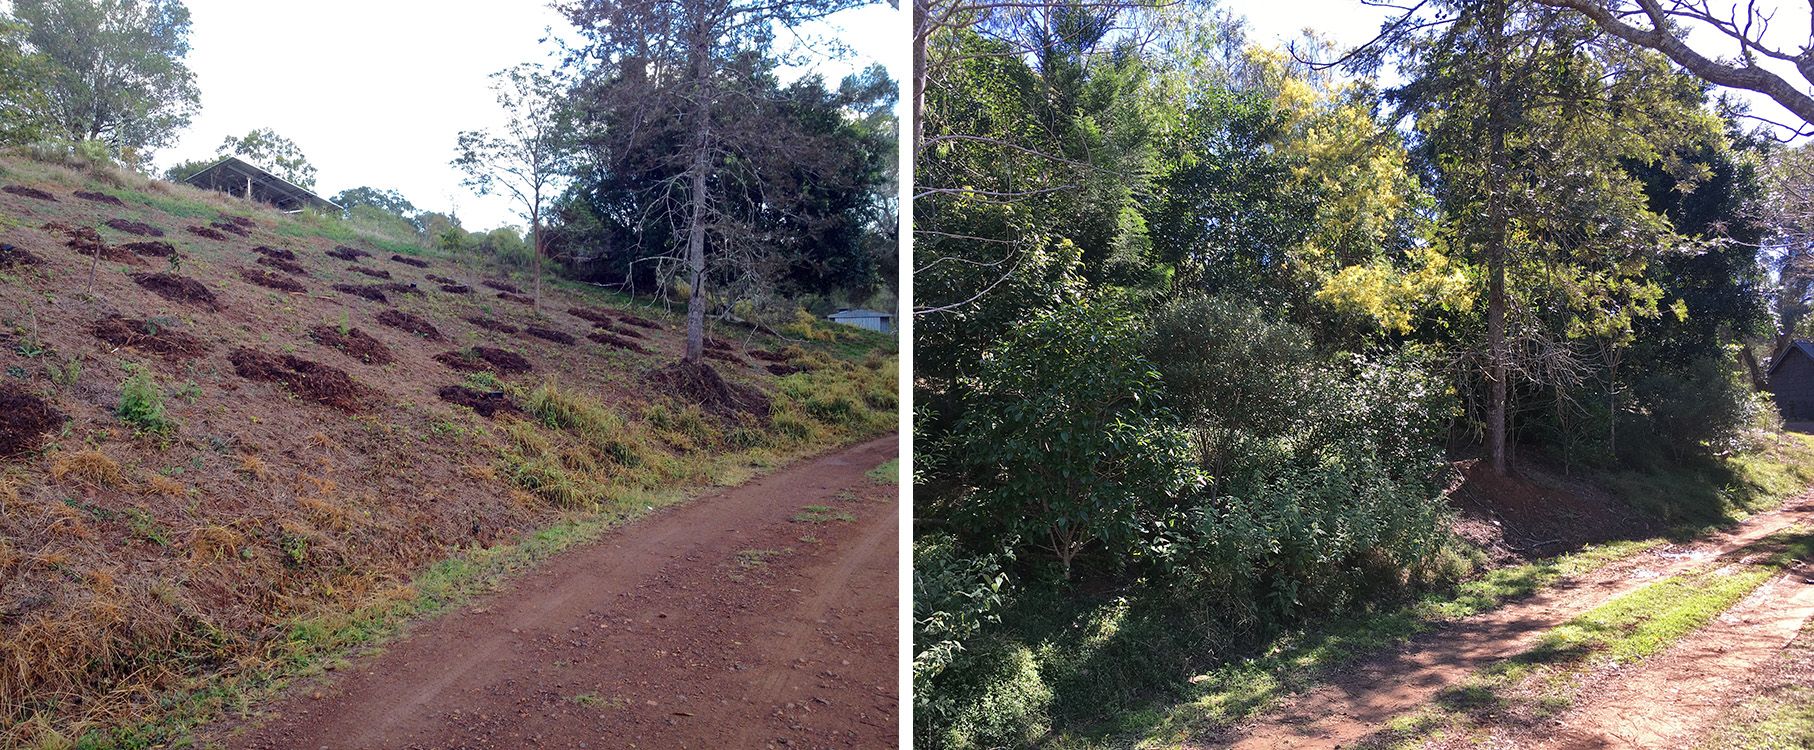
{"x": 995, "y": 698}
{"x": 142, "y": 404}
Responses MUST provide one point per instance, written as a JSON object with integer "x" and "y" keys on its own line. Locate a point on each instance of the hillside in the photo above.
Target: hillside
{"x": 243, "y": 440}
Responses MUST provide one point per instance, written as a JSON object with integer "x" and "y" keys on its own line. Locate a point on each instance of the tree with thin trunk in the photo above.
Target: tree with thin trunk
{"x": 531, "y": 158}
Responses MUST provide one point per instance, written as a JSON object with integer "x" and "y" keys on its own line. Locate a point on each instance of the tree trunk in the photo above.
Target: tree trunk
{"x": 702, "y": 121}
{"x": 922, "y": 35}
{"x": 1497, "y": 354}
{"x": 535, "y": 263}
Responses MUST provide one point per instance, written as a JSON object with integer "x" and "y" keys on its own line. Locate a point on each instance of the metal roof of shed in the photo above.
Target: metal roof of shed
{"x": 230, "y": 175}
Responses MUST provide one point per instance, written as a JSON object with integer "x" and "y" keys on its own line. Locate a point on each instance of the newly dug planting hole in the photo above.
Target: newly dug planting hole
{"x": 486, "y": 404}
{"x": 270, "y": 280}
{"x": 559, "y": 337}
{"x": 13, "y": 257}
{"x": 177, "y": 288}
{"x": 25, "y": 420}
{"x": 612, "y": 339}
{"x": 517, "y": 298}
{"x": 29, "y": 192}
{"x": 372, "y": 272}
{"x": 409, "y": 261}
{"x": 147, "y": 336}
{"x": 135, "y": 227}
{"x": 90, "y": 195}
{"x": 213, "y": 234}
{"x": 346, "y": 253}
{"x": 354, "y": 343}
{"x": 483, "y": 359}
{"x": 699, "y": 383}
{"x": 366, "y": 292}
{"x": 312, "y": 381}
{"x": 404, "y": 321}
{"x": 492, "y": 325}
{"x": 152, "y": 248}
{"x": 283, "y": 265}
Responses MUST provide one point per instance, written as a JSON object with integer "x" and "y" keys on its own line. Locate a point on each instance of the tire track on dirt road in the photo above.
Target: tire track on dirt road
{"x": 661, "y": 634}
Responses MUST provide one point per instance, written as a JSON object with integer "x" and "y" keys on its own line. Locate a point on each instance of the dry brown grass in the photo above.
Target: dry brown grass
{"x": 324, "y": 512}
{"x": 479, "y": 472}
{"x": 88, "y": 467}
{"x": 158, "y": 484}
{"x": 213, "y": 543}
{"x": 253, "y": 467}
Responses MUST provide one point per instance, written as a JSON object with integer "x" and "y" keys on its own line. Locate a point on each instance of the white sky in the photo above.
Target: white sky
{"x": 375, "y": 92}
{"x": 1350, "y": 22}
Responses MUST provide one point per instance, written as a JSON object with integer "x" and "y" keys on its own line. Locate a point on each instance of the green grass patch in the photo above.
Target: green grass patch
{"x": 821, "y": 514}
{"x": 887, "y": 473}
{"x": 1784, "y": 721}
{"x": 1698, "y": 494}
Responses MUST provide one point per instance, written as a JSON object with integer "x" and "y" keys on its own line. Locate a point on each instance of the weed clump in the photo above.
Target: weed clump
{"x": 142, "y": 404}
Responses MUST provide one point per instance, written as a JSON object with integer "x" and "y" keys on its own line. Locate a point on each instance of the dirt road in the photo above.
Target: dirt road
{"x": 742, "y": 619}
{"x": 1358, "y": 703}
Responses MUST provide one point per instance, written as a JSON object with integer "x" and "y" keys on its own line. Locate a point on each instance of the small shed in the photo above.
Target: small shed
{"x": 242, "y": 178}
{"x": 1792, "y": 381}
{"x": 874, "y": 320}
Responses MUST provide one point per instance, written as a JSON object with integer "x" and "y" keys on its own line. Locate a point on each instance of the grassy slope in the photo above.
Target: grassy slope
{"x": 1141, "y": 669}
{"x": 149, "y": 581}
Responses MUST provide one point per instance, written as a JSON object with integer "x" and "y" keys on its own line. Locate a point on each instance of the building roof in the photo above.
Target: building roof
{"x": 860, "y": 314}
{"x": 1807, "y": 350}
{"x": 229, "y": 175}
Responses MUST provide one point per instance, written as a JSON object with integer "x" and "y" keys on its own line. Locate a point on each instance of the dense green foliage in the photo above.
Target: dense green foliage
{"x": 1200, "y": 330}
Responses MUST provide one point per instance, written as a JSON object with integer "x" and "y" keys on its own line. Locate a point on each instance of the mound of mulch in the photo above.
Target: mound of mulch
{"x": 485, "y": 358}
{"x": 371, "y": 293}
{"x": 398, "y": 287}
{"x": 11, "y": 257}
{"x": 178, "y": 288}
{"x": 87, "y": 242}
{"x": 212, "y": 234}
{"x": 274, "y": 252}
{"x": 25, "y": 420}
{"x": 492, "y": 325}
{"x": 559, "y": 337}
{"x": 404, "y": 321}
{"x": 517, "y": 298}
{"x": 152, "y": 248}
{"x": 90, "y": 195}
{"x": 29, "y": 192}
{"x": 270, "y": 280}
{"x": 725, "y": 356}
{"x": 768, "y": 356}
{"x": 439, "y": 279}
{"x": 147, "y": 336}
{"x": 486, "y": 404}
{"x": 612, "y": 339}
{"x": 409, "y": 261}
{"x": 783, "y": 370}
{"x": 231, "y": 228}
{"x": 698, "y": 383}
{"x": 456, "y": 289}
{"x": 242, "y": 221}
{"x": 346, "y": 253}
{"x": 135, "y": 227}
{"x": 502, "y": 286}
{"x": 354, "y": 343}
{"x": 719, "y": 344}
{"x": 310, "y": 380}
{"x": 284, "y": 266}
{"x": 640, "y": 322}
{"x": 592, "y": 315}
{"x": 626, "y": 332}
{"x": 374, "y": 273}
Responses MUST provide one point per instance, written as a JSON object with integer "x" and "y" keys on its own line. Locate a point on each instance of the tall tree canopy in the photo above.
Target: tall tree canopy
{"x": 265, "y": 148}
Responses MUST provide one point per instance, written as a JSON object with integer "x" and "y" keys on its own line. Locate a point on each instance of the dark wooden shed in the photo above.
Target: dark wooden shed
{"x": 246, "y": 180}
{"x": 1792, "y": 382}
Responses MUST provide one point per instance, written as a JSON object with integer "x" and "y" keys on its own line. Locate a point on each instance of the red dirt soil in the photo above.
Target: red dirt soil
{"x": 25, "y": 420}
{"x": 178, "y": 288}
{"x": 486, "y": 404}
{"x": 721, "y": 623}
{"x": 29, "y": 192}
{"x": 483, "y": 359}
{"x": 401, "y": 320}
{"x": 146, "y": 336}
{"x": 354, "y": 343}
{"x": 89, "y": 195}
{"x": 135, "y": 227}
{"x": 270, "y": 280}
{"x": 312, "y": 381}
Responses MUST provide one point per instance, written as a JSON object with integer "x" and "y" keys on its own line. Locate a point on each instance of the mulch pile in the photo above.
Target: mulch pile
{"x": 206, "y": 232}
{"x": 135, "y": 227}
{"x": 88, "y": 243}
{"x": 273, "y": 252}
{"x": 482, "y": 358}
{"x": 233, "y": 227}
{"x": 181, "y": 289}
{"x": 782, "y": 370}
{"x": 768, "y": 356}
{"x": 374, "y": 273}
{"x": 25, "y": 420}
{"x": 407, "y": 322}
{"x": 29, "y": 192}
{"x": 592, "y": 315}
{"x": 367, "y": 292}
{"x": 89, "y": 195}
{"x": 486, "y": 404}
{"x": 354, "y": 342}
{"x": 699, "y": 383}
{"x": 640, "y": 322}
{"x": 559, "y": 337}
{"x": 283, "y": 265}
{"x": 409, "y": 261}
{"x": 725, "y": 356}
{"x": 242, "y": 221}
{"x": 153, "y": 248}
{"x": 11, "y": 256}
{"x": 456, "y": 289}
{"x": 502, "y": 286}
{"x": 270, "y": 280}
{"x": 517, "y": 298}
{"x": 346, "y": 253}
{"x": 147, "y": 336}
{"x": 310, "y": 380}
{"x": 439, "y": 279}
{"x": 612, "y": 339}
{"x": 719, "y": 344}
{"x": 492, "y": 325}
{"x": 398, "y": 288}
